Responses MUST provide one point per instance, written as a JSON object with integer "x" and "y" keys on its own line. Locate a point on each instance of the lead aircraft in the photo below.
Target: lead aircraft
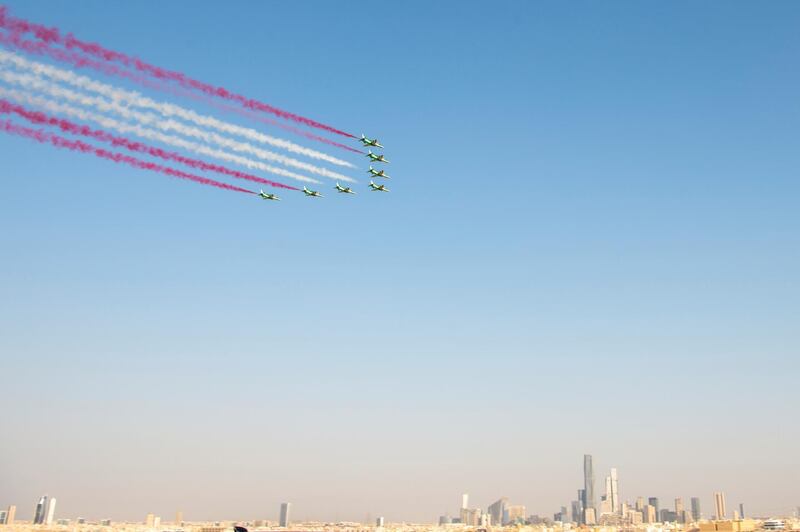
{"x": 369, "y": 142}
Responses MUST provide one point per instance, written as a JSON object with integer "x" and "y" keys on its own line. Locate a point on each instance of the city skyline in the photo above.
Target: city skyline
{"x": 500, "y": 510}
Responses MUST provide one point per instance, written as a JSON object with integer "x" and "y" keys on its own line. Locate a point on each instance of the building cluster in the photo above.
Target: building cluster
{"x": 587, "y": 510}
{"x": 610, "y": 509}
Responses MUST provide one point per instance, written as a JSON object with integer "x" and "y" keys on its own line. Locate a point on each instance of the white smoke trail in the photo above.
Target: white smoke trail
{"x": 163, "y": 108}
{"x": 110, "y": 123}
{"x": 57, "y": 91}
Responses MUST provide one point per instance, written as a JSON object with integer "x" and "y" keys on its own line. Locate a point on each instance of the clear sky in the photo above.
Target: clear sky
{"x": 591, "y": 246}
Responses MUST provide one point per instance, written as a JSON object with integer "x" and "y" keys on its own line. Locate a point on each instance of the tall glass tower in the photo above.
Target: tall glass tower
{"x": 41, "y": 509}
{"x": 284, "y": 519}
{"x": 588, "y": 482}
{"x": 696, "y": 508}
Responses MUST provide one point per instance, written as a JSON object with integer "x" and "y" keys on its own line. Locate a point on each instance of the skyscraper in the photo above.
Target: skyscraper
{"x": 653, "y": 501}
{"x": 379, "y": 522}
{"x": 464, "y": 501}
{"x": 696, "y": 508}
{"x": 50, "y": 512}
{"x": 284, "y": 520}
{"x": 39, "y": 513}
{"x": 178, "y": 517}
{"x": 588, "y": 483}
{"x": 741, "y": 510}
{"x": 614, "y": 491}
{"x": 719, "y": 505}
{"x": 576, "y": 511}
{"x": 497, "y": 510}
{"x": 679, "y": 509}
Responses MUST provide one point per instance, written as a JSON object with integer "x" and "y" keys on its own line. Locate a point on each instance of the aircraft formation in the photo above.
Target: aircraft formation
{"x": 74, "y": 101}
{"x": 373, "y": 157}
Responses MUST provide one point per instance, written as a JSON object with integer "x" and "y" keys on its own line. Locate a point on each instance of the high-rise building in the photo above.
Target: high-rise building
{"x": 471, "y": 517}
{"x": 588, "y": 482}
{"x": 696, "y": 508}
{"x": 640, "y": 504}
{"x": 3, "y": 515}
{"x": 150, "y": 520}
{"x": 653, "y": 501}
{"x": 577, "y": 511}
{"x": 178, "y": 518}
{"x": 465, "y": 500}
{"x": 615, "y": 506}
{"x": 679, "y": 509}
{"x": 497, "y": 510}
{"x": 719, "y": 505}
{"x": 649, "y": 513}
{"x": 741, "y": 510}
{"x": 379, "y": 522}
{"x": 564, "y": 515}
{"x": 284, "y": 520}
{"x": 589, "y": 516}
{"x": 50, "y": 512}
{"x": 40, "y": 512}
{"x": 11, "y": 513}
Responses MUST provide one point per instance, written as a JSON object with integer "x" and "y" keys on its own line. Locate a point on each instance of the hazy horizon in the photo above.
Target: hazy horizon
{"x": 591, "y": 245}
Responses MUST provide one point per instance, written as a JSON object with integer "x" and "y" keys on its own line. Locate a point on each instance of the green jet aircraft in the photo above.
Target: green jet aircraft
{"x": 312, "y": 193}
{"x": 376, "y": 158}
{"x": 368, "y": 142}
{"x": 344, "y": 190}
{"x": 272, "y": 197}
{"x": 377, "y": 173}
{"x": 381, "y": 188}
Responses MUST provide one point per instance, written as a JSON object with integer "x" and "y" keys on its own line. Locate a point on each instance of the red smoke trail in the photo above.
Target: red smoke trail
{"x": 42, "y": 48}
{"x": 78, "y": 60}
{"x": 44, "y": 137}
{"x": 66, "y": 126}
{"x": 202, "y": 97}
{"x": 53, "y": 35}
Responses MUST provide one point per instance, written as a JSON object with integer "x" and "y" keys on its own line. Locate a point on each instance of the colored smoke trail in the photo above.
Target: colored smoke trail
{"x": 76, "y": 129}
{"x": 136, "y": 129}
{"x": 58, "y": 141}
{"x": 116, "y": 95}
{"x": 166, "y": 109}
{"x": 53, "y": 35}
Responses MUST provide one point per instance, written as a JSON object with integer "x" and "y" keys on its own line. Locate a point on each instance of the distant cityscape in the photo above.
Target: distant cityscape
{"x": 609, "y": 514}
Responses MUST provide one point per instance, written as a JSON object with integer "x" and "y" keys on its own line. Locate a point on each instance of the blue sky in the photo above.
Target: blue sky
{"x": 591, "y": 245}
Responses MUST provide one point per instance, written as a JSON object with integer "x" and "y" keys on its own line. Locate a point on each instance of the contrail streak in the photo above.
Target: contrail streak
{"x": 110, "y": 123}
{"x": 58, "y": 141}
{"x": 76, "y": 129}
{"x": 52, "y": 35}
{"x": 166, "y": 109}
